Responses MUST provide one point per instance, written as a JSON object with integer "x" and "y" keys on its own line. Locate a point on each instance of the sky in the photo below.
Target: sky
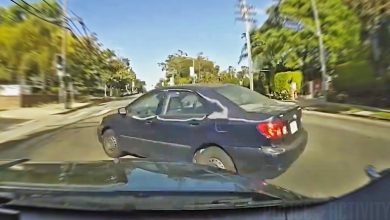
{"x": 147, "y": 31}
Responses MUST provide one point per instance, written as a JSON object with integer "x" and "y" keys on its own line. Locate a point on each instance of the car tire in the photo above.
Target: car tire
{"x": 110, "y": 144}
{"x": 216, "y": 157}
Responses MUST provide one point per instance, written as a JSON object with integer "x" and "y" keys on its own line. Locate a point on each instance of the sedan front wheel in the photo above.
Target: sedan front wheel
{"x": 110, "y": 144}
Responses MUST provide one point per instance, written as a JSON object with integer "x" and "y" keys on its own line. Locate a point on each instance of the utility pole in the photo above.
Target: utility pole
{"x": 60, "y": 73}
{"x": 324, "y": 75}
{"x": 68, "y": 87}
{"x": 246, "y": 12}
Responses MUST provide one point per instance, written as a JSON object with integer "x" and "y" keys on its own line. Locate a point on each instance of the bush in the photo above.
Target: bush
{"x": 54, "y": 90}
{"x": 283, "y": 95}
{"x": 282, "y": 81}
{"x": 357, "y": 78}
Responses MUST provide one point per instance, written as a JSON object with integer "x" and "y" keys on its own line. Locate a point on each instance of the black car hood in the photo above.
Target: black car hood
{"x": 132, "y": 175}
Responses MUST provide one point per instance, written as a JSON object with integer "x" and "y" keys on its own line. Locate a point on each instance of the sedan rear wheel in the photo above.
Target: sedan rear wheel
{"x": 110, "y": 144}
{"x": 215, "y": 157}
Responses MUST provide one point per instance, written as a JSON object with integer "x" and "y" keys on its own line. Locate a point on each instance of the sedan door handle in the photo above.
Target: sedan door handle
{"x": 194, "y": 123}
{"x": 148, "y": 122}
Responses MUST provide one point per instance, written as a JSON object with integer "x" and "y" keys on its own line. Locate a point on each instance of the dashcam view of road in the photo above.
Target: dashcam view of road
{"x": 290, "y": 93}
{"x": 338, "y": 150}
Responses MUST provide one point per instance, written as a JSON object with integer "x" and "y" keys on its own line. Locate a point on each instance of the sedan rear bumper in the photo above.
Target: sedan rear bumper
{"x": 268, "y": 162}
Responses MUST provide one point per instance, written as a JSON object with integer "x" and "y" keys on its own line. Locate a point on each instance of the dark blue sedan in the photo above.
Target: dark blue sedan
{"x": 226, "y": 126}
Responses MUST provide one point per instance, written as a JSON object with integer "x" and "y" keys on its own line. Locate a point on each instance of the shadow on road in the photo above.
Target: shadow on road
{"x": 51, "y": 131}
{"x": 29, "y": 138}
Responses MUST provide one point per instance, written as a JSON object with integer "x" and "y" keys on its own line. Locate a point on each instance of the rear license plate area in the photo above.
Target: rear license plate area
{"x": 293, "y": 127}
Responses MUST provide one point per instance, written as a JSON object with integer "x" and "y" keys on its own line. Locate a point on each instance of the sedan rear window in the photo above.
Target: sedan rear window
{"x": 245, "y": 98}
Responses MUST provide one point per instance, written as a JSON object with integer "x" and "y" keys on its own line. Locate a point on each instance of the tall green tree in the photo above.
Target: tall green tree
{"x": 178, "y": 65}
{"x": 29, "y": 47}
{"x": 280, "y": 48}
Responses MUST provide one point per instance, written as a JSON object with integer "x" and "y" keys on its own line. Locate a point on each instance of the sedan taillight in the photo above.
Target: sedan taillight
{"x": 272, "y": 130}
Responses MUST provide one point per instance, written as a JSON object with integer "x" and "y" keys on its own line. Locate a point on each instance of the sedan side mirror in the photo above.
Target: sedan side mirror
{"x": 122, "y": 111}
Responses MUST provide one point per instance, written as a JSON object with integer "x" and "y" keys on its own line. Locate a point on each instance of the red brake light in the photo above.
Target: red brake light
{"x": 273, "y": 129}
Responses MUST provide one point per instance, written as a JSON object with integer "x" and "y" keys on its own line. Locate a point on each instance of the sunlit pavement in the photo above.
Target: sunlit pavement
{"x": 336, "y": 155}
{"x": 332, "y": 164}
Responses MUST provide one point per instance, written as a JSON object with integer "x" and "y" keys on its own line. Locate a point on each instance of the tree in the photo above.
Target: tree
{"x": 370, "y": 13}
{"x": 29, "y": 47}
{"x": 281, "y": 49}
{"x": 374, "y": 17}
{"x": 178, "y": 65}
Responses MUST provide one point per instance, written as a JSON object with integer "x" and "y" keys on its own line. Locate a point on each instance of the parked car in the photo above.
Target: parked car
{"x": 126, "y": 94}
{"x": 226, "y": 126}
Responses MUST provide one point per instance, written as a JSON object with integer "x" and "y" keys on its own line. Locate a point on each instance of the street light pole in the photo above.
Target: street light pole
{"x": 321, "y": 48}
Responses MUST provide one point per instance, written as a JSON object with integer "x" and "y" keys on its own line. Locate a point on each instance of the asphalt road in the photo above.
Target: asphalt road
{"x": 332, "y": 164}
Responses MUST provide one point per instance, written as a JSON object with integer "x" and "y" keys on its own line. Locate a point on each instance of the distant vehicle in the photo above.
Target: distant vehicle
{"x": 130, "y": 93}
{"x": 126, "y": 94}
{"x": 226, "y": 126}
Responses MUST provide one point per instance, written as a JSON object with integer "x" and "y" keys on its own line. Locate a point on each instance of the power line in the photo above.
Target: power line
{"x": 82, "y": 43}
{"x": 85, "y": 29}
{"x": 69, "y": 28}
{"x": 78, "y": 30}
{"x": 50, "y": 5}
{"x": 75, "y": 26}
{"x": 86, "y": 47}
{"x": 81, "y": 22}
{"x": 31, "y": 6}
{"x": 11, "y": 18}
{"x": 38, "y": 16}
{"x": 73, "y": 13}
{"x": 51, "y": 22}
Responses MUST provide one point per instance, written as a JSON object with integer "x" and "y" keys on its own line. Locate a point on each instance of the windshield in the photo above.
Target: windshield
{"x": 286, "y": 99}
{"x": 245, "y": 98}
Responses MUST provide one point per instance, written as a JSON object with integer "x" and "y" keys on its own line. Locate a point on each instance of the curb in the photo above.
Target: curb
{"x": 362, "y": 119}
{"x": 55, "y": 128}
{"x": 31, "y": 136}
{"x": 75, "y": 109}
{"x": 96, "y": 102}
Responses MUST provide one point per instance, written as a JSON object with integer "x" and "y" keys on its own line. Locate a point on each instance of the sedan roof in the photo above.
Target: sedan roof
{"x": 195, "y": 87}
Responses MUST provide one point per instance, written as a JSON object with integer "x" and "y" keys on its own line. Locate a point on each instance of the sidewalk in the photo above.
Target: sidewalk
{"x": 344, "y": 109}
{"x": 39, "y": 112}
{"x": 13, "y": 122}
{"x": 52, "y": 116}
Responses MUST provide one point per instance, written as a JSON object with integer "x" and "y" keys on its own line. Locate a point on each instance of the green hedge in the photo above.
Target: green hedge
{"x": 282, "y": 79}
{"x": 357, "y": 78}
